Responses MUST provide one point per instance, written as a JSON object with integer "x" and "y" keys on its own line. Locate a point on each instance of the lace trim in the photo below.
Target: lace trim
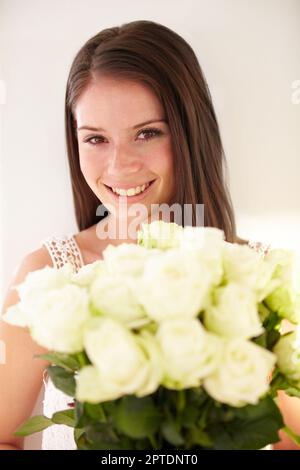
{"x": 64, "y": 250}
{"x": 259, "y": 247}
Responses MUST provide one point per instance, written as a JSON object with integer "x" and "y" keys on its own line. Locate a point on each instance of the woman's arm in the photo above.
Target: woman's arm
{"x": 21, "y": 376}
{"x": 290, "y": 409}
{"x": 8, "y": 447}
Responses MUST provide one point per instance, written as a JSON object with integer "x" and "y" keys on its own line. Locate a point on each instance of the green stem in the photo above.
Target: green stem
{"x": 153, "y": 441}
{"x": 81, "y": 359}
{"x": 295, "y": 437}
{"x": 180, "y": 404}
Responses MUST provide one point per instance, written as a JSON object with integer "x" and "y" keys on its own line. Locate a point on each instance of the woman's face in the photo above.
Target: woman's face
{"x": 118, "y": 150}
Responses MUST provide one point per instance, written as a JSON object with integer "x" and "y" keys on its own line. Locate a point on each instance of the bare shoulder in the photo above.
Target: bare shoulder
{"x": 37, "y": 259}
{"x": 32, "y": 261}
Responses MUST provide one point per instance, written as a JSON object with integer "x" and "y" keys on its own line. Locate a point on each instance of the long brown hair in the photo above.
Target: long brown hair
{"x": 160, "y": 58}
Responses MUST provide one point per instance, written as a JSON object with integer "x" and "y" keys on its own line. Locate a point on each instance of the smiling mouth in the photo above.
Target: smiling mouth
{"x": 124, "y": 194}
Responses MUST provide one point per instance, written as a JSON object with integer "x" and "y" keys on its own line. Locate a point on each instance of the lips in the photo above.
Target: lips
{"x": 128, "y": 185}
{"x": 130, "y": 198}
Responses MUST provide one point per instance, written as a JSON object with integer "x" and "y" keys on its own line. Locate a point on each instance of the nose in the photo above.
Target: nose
{"x": 123, "y": 161}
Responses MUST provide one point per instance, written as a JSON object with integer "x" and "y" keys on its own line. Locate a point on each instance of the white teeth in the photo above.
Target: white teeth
{"x": 130, "y": 191}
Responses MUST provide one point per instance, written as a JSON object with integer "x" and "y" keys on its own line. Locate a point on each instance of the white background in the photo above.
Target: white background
{"x": 249, "y": 51}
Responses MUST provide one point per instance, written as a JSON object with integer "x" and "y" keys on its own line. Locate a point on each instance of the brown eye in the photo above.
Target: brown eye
{"x": 150, "y": 133}
{"x": 91, "y": 140}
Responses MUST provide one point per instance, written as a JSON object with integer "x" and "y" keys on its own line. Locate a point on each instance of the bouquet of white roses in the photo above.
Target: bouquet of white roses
{"x": 173, "y": 342}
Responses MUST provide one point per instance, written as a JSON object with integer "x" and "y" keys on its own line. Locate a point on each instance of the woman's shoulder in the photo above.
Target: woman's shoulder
{"x": 33, "y": 260}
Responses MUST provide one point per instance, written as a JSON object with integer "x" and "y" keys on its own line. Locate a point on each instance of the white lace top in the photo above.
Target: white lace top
{"x": 60, "y": 437}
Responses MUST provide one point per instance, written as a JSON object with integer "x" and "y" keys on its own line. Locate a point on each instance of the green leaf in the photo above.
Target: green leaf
{"x": 272, "y": 322}
{"x": 81, "y": 419}
{"x": 33, "y": 425}
{"x": 62, "y": 379}
{"x": 87, "y": 413}
{"x": 281, "y": 382}
{"x": 263, "y": 311}
{"x": 70, "y": 362}
{"x": 292, "y": 391}
{"x": 101, "y": 432}
{"x": 250, "y": 427}
{"x": 204, "y": 413}
{"x": 261, "y": 340}
{"x": 66, "y": 417}
{"x": 170, "y": 433}
{"x": 137, "y": 417}
{"x": 78, "y": 432}
{"x": 81, "y": 441}
{"x": 267, "y": 339}
{"x": 196, "y": 395}
{"x": 272, "y": 338}
{"x": 82, "y": 358}
{"x": 95, "y": 411}
{"x": 199, "y": 437}
{"x": 189, "y": 416}
{"x": 278, "y": 382}
{"x": 66, "y": 361}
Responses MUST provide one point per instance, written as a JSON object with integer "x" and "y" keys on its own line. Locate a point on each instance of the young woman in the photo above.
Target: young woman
{"x": 140, "y": 129}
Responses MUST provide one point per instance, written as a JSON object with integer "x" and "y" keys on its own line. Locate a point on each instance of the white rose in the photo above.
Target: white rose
{"x": 207, "y": 245}
{"x": 159, "y": 234}
{"x": 243, "y": 376}
{"x": 287, "y": 350}
{"x": 285, "y": 298}
{"x": 114, "y": 296}
{"x": 286, "y": 265}
{"x": 54, "y": 309}
{"x": 174, "y": 284}
{"x": 285, "y": 301}
{"x": 150, "y": 346}
{"x": 125, "y": 259}
{"x": 127, "y": 363}
{"x": 233, "y": 313}
{"x": 246, "y": 266}
{"x": 189, "y": 353}
{"x": 88, "y": 273}
{"x": 37, "y": 283}
{"x": 91, "y": 388}
{"x": 59, "y": 323}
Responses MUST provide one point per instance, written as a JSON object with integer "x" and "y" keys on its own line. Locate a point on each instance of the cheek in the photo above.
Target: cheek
{"x": 161, "y": 162}
{"x": 91, "y": 167}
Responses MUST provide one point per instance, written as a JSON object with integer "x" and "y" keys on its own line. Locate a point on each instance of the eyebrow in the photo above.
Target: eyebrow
{"x": 97, "y": 129}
